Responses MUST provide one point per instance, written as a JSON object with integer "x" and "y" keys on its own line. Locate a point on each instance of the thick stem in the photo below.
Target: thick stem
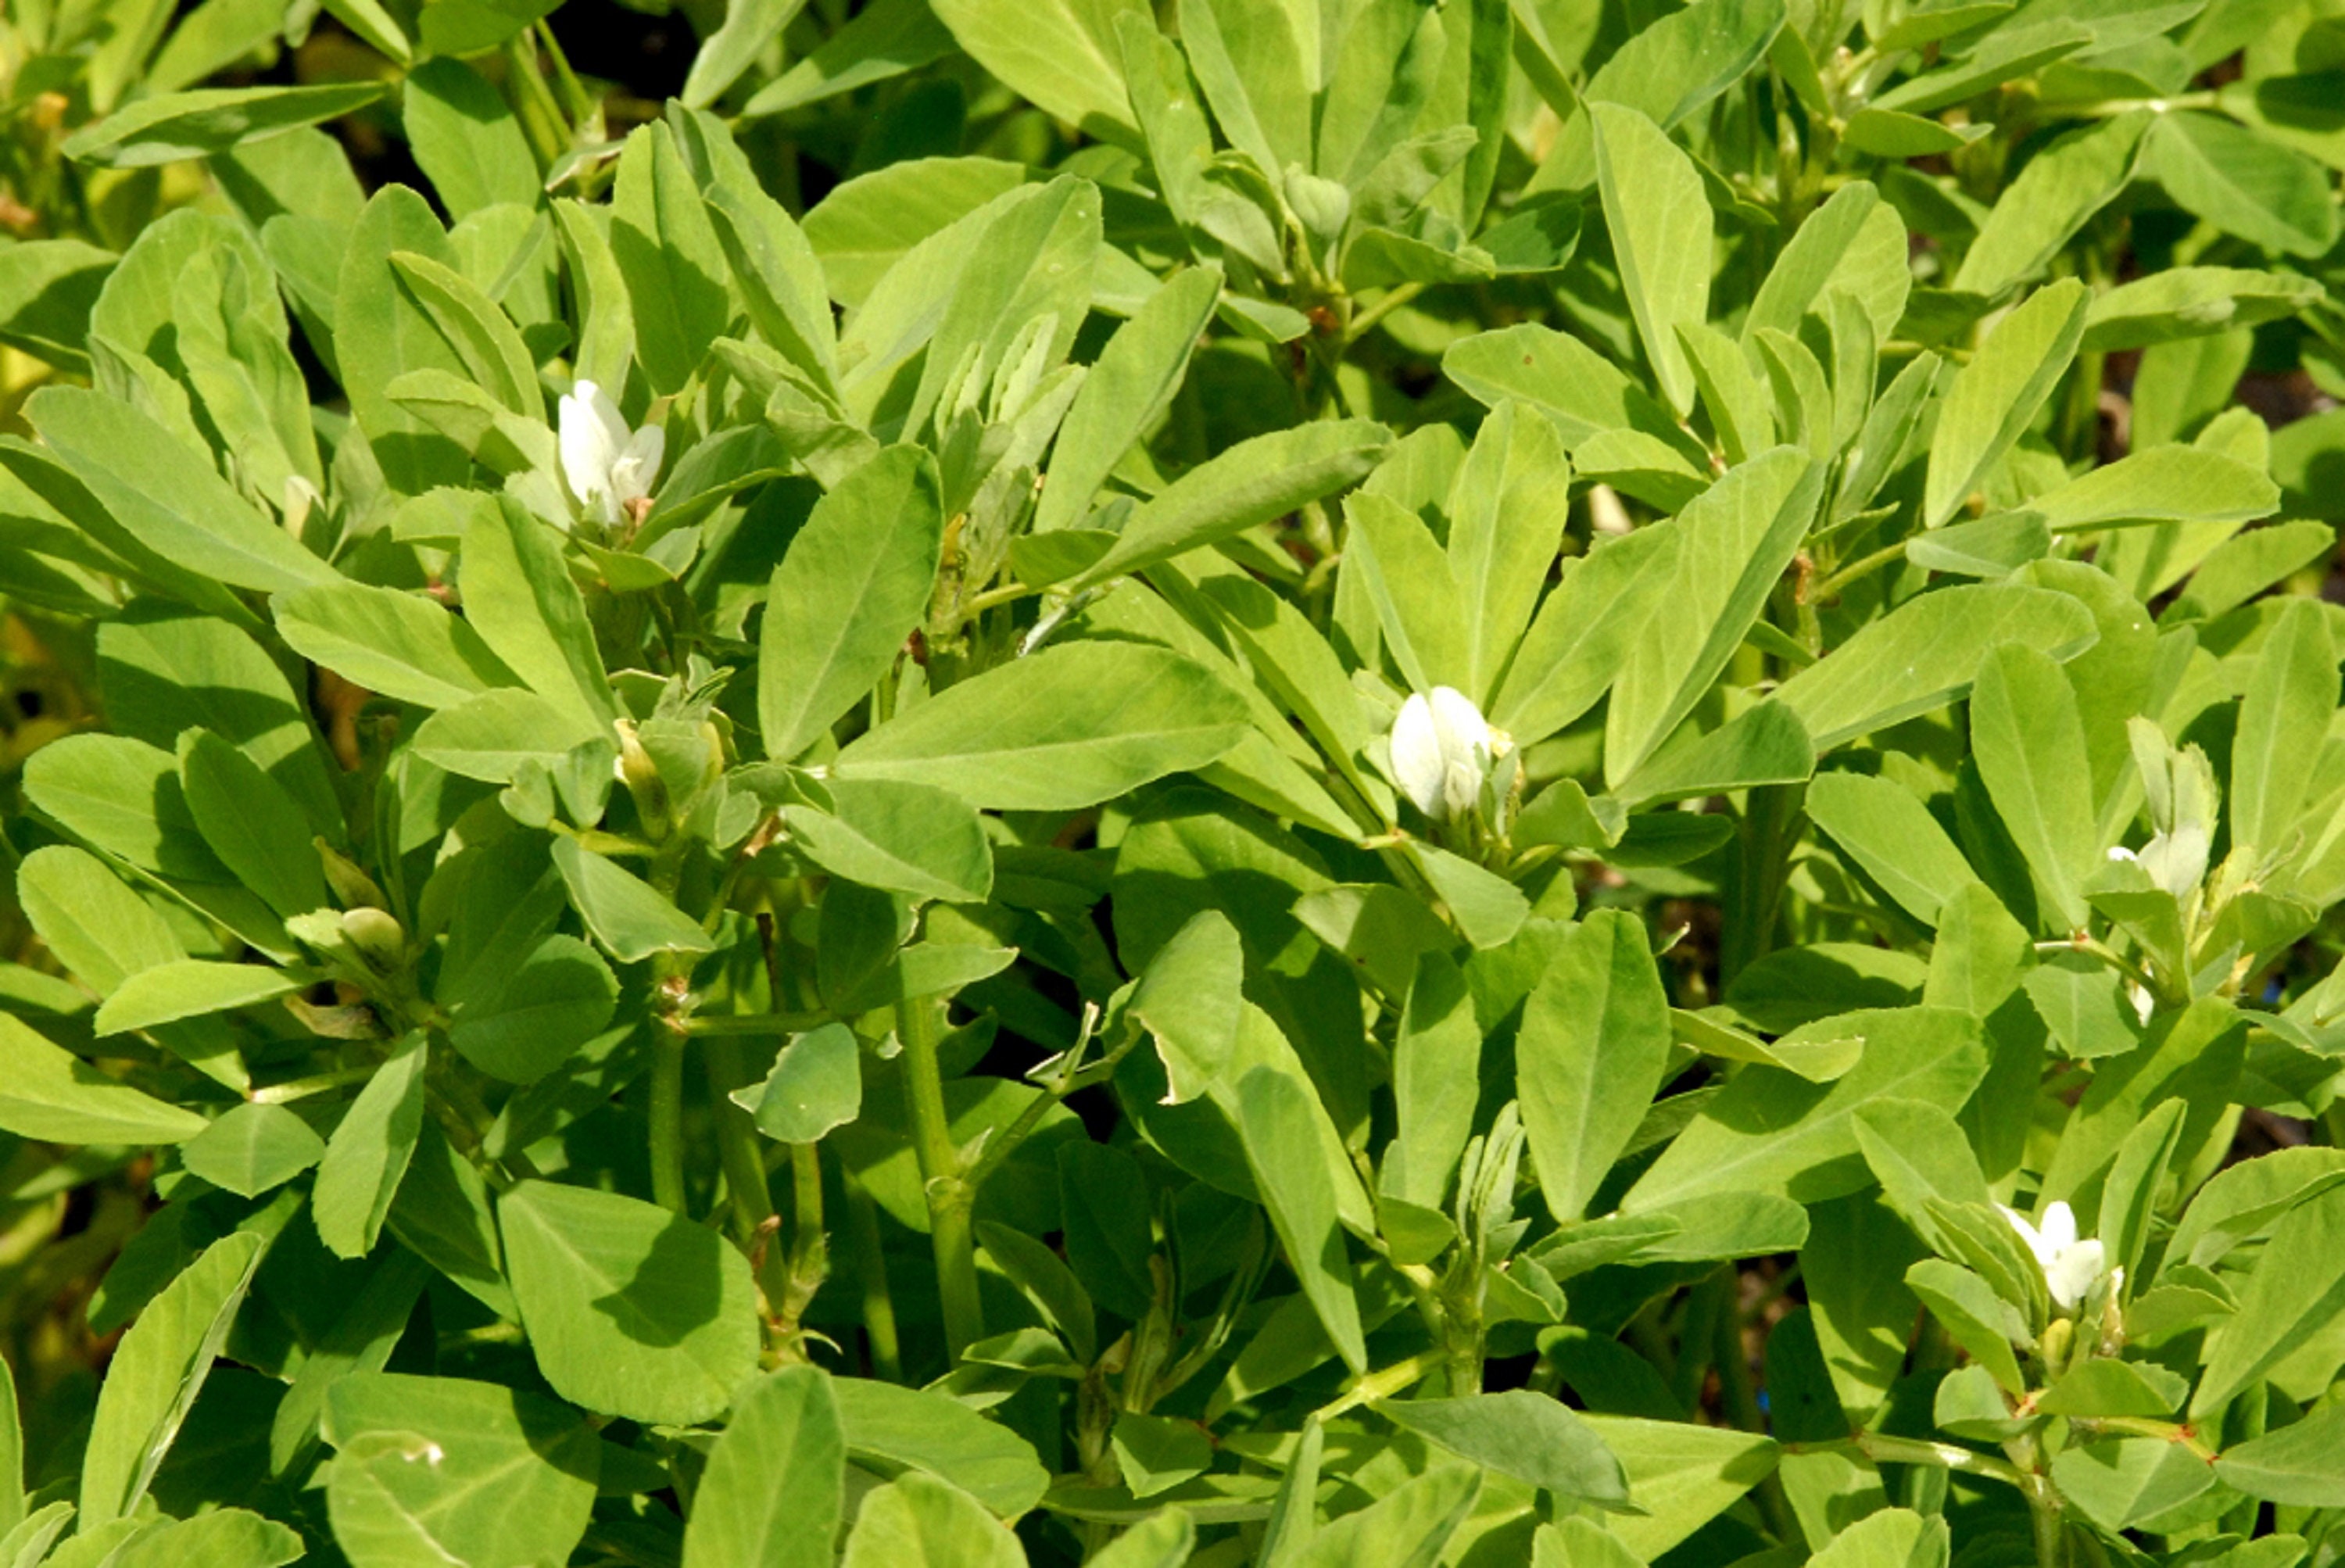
{"x": 737, "y": 1141}
{"x": 1755, "y": 873}
{"x": 668, "y": 1118}
{"x": 2043, "y": 1514}
{"x": 950, "y": 1197}
{"x": 871, "y": 1270}
{"x": 671, "y": 1029}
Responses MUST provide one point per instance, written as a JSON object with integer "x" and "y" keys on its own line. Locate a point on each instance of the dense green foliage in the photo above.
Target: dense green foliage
{"x": 1286, "y": 782}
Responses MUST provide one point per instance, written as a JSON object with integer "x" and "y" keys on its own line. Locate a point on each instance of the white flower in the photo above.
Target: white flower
{"x": 1442, "y": 749}
{"x": 609, "y": 467}
{"x": 2070, "y": 1266}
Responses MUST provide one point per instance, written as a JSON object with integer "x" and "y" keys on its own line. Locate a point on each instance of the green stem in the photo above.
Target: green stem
{"x": 1884, "y": 1450}
{"x": 541, "y": 116}
{"x": 745, "y": 1187}
{"x": 319, "y": 1083}
{"x": 1755, "y": 875}
{"x": 1386, "y": 1383}
{"x": 724, "y": 1026}
{"x": 671, "y": 1028}
{"x": 949, "y": 1196}
{"x": 871, "y": 1269}
{"x": 1863, "y": 566}
{"x": 2044, "y": 1515}
{"x": 1392, "y": 300}
{"x": 667, "y": 1117}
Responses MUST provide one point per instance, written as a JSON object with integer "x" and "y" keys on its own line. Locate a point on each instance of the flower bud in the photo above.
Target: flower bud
{"x": 1442, "y": 752}
{"x": 379, "y": 941}
{"x": 640, "y": 773}
{"x": 353, "y": 888}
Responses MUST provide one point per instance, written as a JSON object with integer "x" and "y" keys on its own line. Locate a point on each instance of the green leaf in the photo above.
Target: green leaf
{"x": 779, "y": 277}
{"x": 1284, "y": 1151}
{"x": 2297, "y": 1292}
{"x": 1061, "y": 54}
{"x": 441, "y": 1215}
{"x": 623, "y": 911}
{"x": 2038, "y": 212}
{"x": 520, "y": 597}
{"x": 1594, "y": 1039}
{"x": 381, "y": 333}
{"x": 632, "y": 1310}
{"x": 911, "y": 838}
{"x": 1105, "y": 1209}
{"x": 669, "y": 255}
{"x": 1855, "y": 242}
{"x": 219, "y": 1538}
{"x": 2165, "y": 484}
{"x": 165, "y": 669}
{"x": 48, "y": 1094}
{"x": 50, "y": 286}
{"x": 188, "y": 988}
{"x": 493, "y": 735}
{"x": 1250, "y": 482}
{"x": 525, "y": 1022}
{"x": 1919, "y": 1151}
{"x": 2119, "y": 1482}
{"x": 919, "y": 1522}
{"x": 1584, "y": 627}
{"x": 98, "y": 929}
{"x": 1156, "y": 1453}
{"x": 879, "y": 42}
{"x": 1924, "y": 654}
{"x": 368, "y": 1155}
{"x": 1124, "y": 393}
{"x": 1892, "y": 1538}
{"x": 479, "y": 332}
{"x": 1437, "y": 1062}
{"x": 434, "y": 1469}
{"x": 1579, "y": 390}
{"x": 156, "y": 1373}
{"x": 750, "y": 25}
{"x": 466, "y": 139}
{"x": 2302, "y": 1464}
{"x": 856, "y": 582}
{"x": 892, "y": 1429}
{"x": 1681, "y": 60}
{"x": 398, "y": 643}
{"x": 1770, "y": 1130}
{"x": 170, "y": 498}
{"x": 868, "y": 224}
{"x": 12, "y": 1456}
{"x": 255, "y": 828}
{"x": 1892, "y": 838}
{"x": 1680, "y": 1475}
{"x": 2029, "y": 744}
{"x": 2292, "y": 693}
{"x": 1063, "y": 728}
{"x": 1528, "y": 1436}
{"x": 2243, "y": 183}
{"x": 1660, "y": 217}
{"x": 1737, "y": 539}
{"x": 2191, "y": 301}
{"x": 359, "y": 1341}
{"x": 186, "y": 125}
{"x": 1994, "y": 397}
{"x": 771, "y": 1495}
{"x": 815, "y": 1084}
{"x": 1763, "y": 745}
{"x": 1409, "y": 1525}
{"x": 252, "y": 1148}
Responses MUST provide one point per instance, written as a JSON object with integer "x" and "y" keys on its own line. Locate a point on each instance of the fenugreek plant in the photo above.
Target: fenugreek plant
{"x": 1277, "y": 782}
